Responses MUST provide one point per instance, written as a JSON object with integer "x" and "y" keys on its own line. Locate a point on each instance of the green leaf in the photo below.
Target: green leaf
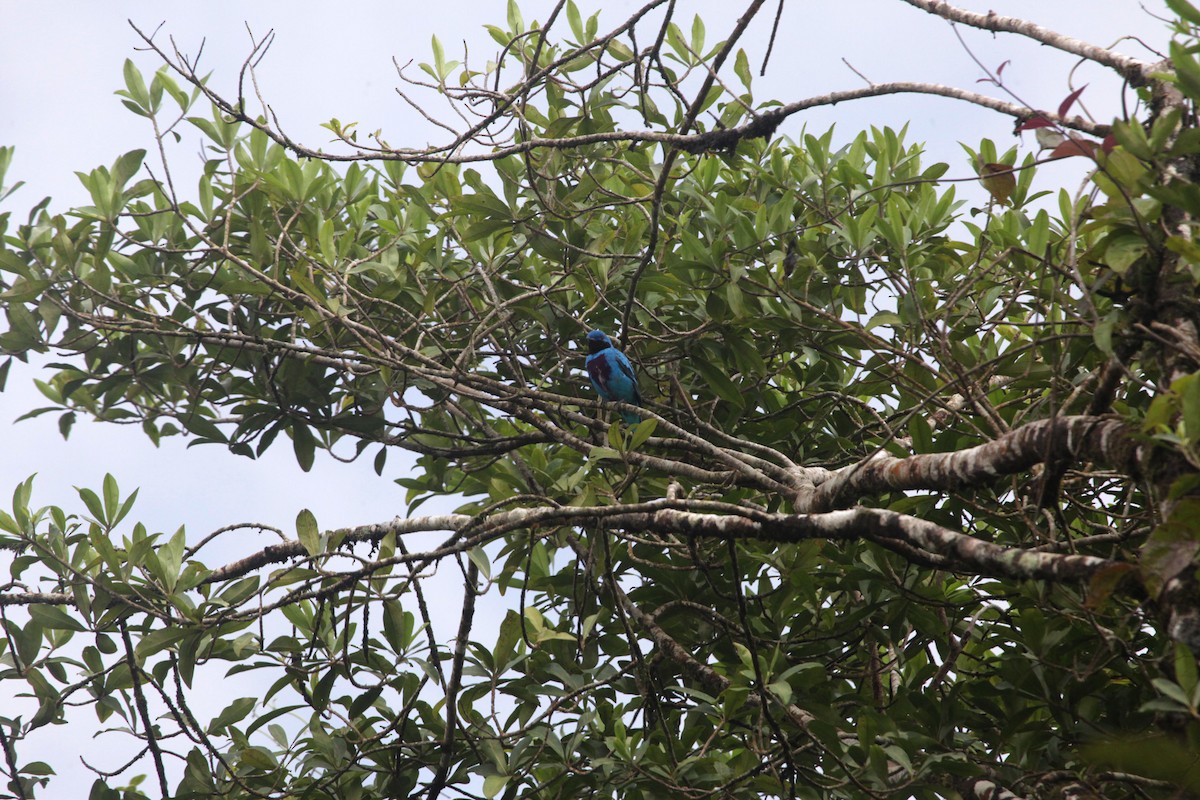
{"x": 234, "y": 712}
{"x": 675, "y": 40}
{"x": 1123, "y": 251}
{"x": 1155, "y": 757}
{"x": 741, "y": 68}
{"x": 92, "y": 501}
{"x": 1103, "y": 332}
{"x": 698, "y": 35}
{"x": 616, "y": 437}
{"x": 718, "y": 382}
{"x": 308, "y": 533}
{"x": 1172, "y": 691}
{"x": 604, "y": 453}
{"x": 158, "y": 640}
{"x": 1185, "y": 10}
{"x": 136, "y": 86}
{"x": 921, "y": 433}
{"x": 439, "y": 58}
{"x": 574, "y": 19}
{"x": 304, "y": 444}
{"x": 112, "y": 498}
{"x": 1191, "y": 408}
{"x": 126, "y": 167}
{"x": 479, "y": 558}
{"x": 1187, "y": 71}
{"x": 507, "y": 639}
{"x": 516, "y": 23}
{"x": 493, "y": 785}
{"x": 37, "y": 768}
{"x": 54, "y": 618}
{"x": 398, "y": 626}
{"x": 1185, "y": 672}
{"x": 643, "y": 431}
{"x": 328, "y": 251}
{"x": 258, "y": 758}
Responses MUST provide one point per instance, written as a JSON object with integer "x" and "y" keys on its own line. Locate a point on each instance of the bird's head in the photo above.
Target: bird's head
{"x": 597, "y": 341}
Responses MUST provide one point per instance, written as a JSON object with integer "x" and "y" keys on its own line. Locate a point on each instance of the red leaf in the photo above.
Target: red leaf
{"x": 1161, "y": 561}
{"x": 1065, "y": 105}
{"x": 1000, "y": 69}
{"x": 1033, "y": 123}
{"x": 1075, "y": 147}
{"x": 1108, "y": 144}
{"x": 1104, "y": 582}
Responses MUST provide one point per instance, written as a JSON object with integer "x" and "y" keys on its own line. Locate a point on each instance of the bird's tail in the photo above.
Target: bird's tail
{"x": 630, "y": 418}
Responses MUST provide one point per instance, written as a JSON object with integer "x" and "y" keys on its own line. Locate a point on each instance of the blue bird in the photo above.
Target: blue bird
{"x": 612, "y": 374}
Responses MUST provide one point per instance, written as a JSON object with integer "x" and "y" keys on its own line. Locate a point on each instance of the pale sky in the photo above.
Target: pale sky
{"x": 61, "y": 61}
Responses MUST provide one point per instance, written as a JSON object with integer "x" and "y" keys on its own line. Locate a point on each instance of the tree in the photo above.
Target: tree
{"x": 913, "y": 509}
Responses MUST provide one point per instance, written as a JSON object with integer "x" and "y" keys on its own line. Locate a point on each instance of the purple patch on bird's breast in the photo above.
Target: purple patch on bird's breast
{"x": 600, "y": 371}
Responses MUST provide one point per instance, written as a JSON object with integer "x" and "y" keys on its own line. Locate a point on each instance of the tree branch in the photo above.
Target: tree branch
{"x": 887, "y": 528}
{"x": 763, "y": 125}
{"x": 1102, "y": 439}
{"x": 1134, "y": 70}
{"x": 135, "y": 675}
{"x": 456, "y": 672}
{"x": 37, "y": 599}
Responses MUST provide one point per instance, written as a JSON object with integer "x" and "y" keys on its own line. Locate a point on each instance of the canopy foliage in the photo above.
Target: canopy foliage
{"x": 912, "y": 510}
